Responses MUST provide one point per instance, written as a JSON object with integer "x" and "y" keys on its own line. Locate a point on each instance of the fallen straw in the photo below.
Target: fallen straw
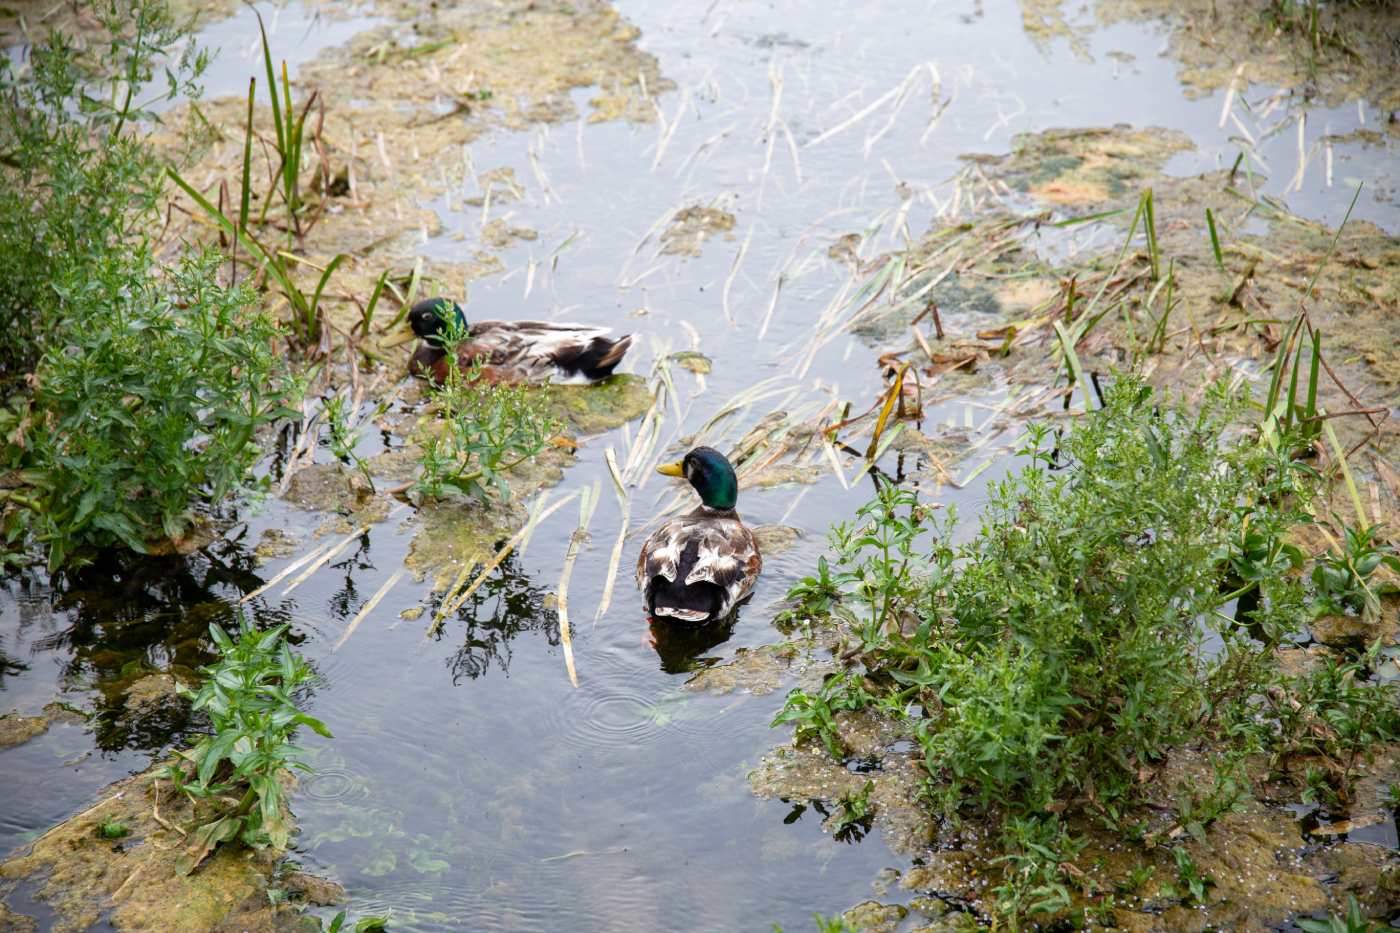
{"x": 285, "y": 572}
{"x": 625, "y": 504}
{"x": 339, "y": 546}
{"x": 576, "y": 542}
{"x": 368, "y": 607}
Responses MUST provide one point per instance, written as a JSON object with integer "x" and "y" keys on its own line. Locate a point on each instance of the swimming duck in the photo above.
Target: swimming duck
{"x": 697, "y": 568}
{"x": 510, "y": 351}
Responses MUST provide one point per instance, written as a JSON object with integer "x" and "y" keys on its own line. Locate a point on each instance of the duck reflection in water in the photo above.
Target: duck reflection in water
{"x": 680, "y": 645}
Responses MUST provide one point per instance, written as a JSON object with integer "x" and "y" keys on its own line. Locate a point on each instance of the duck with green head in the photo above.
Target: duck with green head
{"x": 507, "y": 351}
{"x": 698, "y": 567}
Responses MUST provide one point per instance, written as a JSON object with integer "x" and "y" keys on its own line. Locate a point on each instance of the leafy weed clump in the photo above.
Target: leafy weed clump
{"x": 1049, "y": 665}
{"x": 250, "y": 699}
{"x": 135, "y": 389}
{"x": 486, "y": 431}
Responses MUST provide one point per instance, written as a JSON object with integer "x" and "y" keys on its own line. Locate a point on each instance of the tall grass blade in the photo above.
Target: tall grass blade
{"x": 1076, "y": 371}
{"x": 1215, "y": 240}
{"x": 1154, "y": 253}
{"x": 247, "y": 157}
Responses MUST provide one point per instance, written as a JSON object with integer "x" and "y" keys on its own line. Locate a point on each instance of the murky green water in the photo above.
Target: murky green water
{"x": 469, "y": 785}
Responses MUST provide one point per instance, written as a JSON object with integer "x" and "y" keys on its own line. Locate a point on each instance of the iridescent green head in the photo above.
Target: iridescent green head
{"x": 710, "y": 473}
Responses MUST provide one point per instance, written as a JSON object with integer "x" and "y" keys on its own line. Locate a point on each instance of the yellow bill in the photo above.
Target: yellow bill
{"x": 672, "y": 469}
{"x": 399, "y": 339}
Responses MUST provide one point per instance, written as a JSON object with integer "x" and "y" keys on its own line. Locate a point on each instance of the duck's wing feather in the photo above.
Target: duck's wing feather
{"x": 702, "y": 547}
{"x": 533, "y": 350}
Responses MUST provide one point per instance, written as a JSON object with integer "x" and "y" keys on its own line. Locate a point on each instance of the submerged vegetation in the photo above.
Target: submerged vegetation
{"x": 1050, "y": 666}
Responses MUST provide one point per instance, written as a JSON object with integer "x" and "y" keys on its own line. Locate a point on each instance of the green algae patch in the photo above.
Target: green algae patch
{"x": 134, "y": 884}
{"x": 456, "y": 533}
{"x": 593, "y": 409}
{"x": 758, "y": 671}
{"x": 807, "y": 772}
{"x": 693, "y": 360}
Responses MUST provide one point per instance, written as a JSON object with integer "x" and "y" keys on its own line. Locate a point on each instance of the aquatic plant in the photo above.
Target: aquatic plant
{"x": 141, "y": 387}
{"x": 1342, "y": 577}
{"x": 340, "y": 924}
{"x": 249, "y": 695}
{"x": 486, "y": 431}
{"x": 1053, "y": 661}
{"x": 1354, "y": 921}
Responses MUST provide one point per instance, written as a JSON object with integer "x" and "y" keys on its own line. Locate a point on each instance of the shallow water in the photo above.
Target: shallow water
{"x": 469, "y": 785}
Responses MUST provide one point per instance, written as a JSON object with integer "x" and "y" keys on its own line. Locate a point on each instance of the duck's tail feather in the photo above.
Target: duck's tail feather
{"x": 683, "y": 615}
{"x": 598, "y": 358}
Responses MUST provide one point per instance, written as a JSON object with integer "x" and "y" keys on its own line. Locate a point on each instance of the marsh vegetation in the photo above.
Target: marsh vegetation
{"x": 1070, "y": 454}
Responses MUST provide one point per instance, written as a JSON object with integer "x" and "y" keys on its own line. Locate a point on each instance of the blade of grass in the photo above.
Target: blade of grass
{"x": 1076, "y": 371}
{"x": 1214, "y": 240}
{"x": 247, "y": 158}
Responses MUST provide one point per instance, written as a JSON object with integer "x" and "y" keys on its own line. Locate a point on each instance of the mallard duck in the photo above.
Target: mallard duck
{"x": 696, "y": 568}
{"x": 510, "y": 351}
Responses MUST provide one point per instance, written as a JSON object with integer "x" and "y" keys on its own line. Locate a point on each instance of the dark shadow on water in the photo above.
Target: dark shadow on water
{"x": 127, "y": 617}
{"x": 680, "y": 645}
{"x": 507, "y": 604}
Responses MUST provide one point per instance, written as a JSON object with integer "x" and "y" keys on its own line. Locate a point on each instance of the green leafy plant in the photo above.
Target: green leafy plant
{"x": 339, "y": 924}
{"x": 1058, "y": 655}
{"x": 249, "y": 697}
{"x": 1194, "y": 885}
{"x": 79, "y": 186}
{"x": 1196, "y": 810}
{"x": 1032, "y": 882}
{"x": 343, "y": 438}
{"x": 814, "y": 714}
{"x": 1332, "y": 715}
{"x": 835, "y": 924}
{"x": 1353, "y": 922}
{"x": 142, "y": 386}
{"x": 139, "y": 418}
{"x": 486, "y": 430}
{"x": 853, "y": 815}
{"x": 1342, "y": 577}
